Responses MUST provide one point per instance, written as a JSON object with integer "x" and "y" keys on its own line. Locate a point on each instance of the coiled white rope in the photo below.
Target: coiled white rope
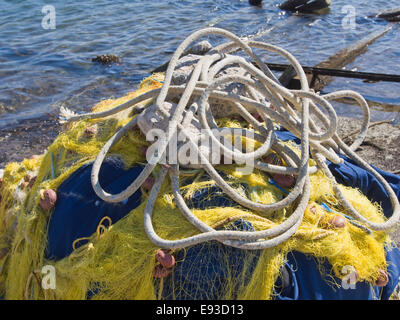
{"x": 292, "y": 111}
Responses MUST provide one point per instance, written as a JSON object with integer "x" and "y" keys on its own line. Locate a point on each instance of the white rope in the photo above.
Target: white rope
{"x": 292, "y": 111}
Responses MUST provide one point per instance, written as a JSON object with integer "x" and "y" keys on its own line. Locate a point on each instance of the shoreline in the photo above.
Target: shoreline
{"x": 380, "y": 148}
{"x": 27, "y": 138}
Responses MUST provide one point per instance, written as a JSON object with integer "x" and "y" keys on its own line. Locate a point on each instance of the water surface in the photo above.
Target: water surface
{"x": 40, "y": 70}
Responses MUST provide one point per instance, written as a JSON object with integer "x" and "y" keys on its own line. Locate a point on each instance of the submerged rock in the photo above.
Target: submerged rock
{"x": 107, "y": 59}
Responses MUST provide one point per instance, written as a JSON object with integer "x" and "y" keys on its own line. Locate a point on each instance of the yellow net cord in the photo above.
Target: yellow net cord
{"x": 117, "y": 262}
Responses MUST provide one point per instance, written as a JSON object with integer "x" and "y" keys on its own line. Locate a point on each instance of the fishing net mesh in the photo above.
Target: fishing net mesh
{"x": 117, "y": 261}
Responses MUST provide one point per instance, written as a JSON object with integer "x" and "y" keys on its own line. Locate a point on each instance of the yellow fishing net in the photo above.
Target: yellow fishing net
{"x": 117, "y": 261}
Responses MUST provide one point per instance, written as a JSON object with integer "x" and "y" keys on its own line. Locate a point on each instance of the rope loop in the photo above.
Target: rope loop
{"x": 306, "y": 114}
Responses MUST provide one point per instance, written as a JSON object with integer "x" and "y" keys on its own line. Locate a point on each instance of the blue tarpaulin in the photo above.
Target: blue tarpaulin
{"x": 78, "y": 211}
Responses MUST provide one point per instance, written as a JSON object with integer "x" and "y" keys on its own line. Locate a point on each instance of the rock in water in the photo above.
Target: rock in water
{"x": 391, "y": 15}
{"x": 255, "y": 2}
{"x": 305, "y": 6}
{"x": 291, "y": 5}
{"x": 107, "y": 59}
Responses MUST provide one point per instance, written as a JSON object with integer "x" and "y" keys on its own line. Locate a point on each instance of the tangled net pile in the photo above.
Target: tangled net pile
{"x": 118, "y": 260}
{"x": 292, "y": 111}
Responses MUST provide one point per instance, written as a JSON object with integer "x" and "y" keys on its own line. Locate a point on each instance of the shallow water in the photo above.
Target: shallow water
{"x": 40, "y": 69}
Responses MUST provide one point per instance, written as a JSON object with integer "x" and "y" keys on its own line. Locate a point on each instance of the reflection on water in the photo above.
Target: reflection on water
{"x": 43, "y": 69}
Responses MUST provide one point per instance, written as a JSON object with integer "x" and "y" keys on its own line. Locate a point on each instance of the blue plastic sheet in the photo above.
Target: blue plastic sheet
{"x": 78, "y": 211}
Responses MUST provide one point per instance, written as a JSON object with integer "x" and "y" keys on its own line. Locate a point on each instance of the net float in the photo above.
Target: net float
{"x": 284, "y": 180}
{"x": 383, "y": 278}
{"x": 148, "y": 183}
{"x": 338, "y": 221}
{"x": 161, "y": 272}
{"x": 90, "y": 132}
{"x": 165, "y": 259}
{"x": 48, "y": 199}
